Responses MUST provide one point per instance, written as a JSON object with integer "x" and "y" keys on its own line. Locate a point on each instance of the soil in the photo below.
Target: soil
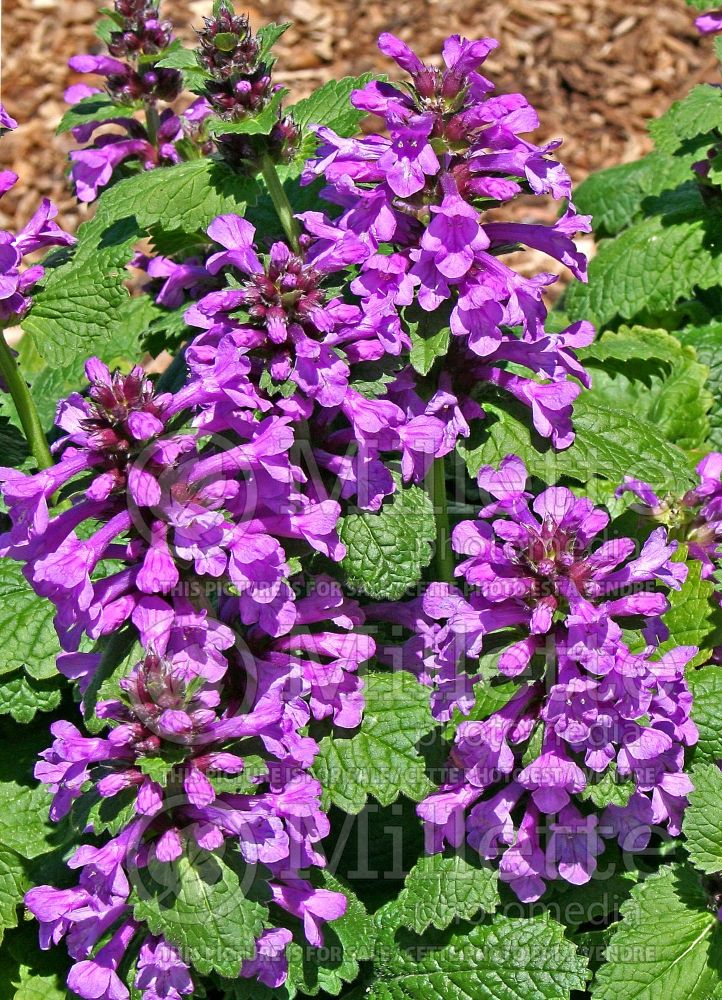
{"x": 597, "y": 70}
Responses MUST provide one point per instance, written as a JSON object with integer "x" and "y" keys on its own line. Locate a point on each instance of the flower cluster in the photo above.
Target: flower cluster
{"x": 454, "y": 153}
{"x": 37, "y": 234}
{"x": 136, "y": 83}
{"x": 592, "y": 700}
{"x": 173, "y": 517}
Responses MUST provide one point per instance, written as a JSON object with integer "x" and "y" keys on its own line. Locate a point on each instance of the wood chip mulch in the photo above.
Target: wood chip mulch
{"x": 597, "y": 70}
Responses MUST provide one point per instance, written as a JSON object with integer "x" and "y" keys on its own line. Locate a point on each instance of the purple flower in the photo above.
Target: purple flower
{"x": 269, "y": 965}
{"x": 162, "y": 974}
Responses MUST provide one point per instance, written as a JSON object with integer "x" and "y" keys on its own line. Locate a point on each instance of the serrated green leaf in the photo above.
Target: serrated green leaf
{"x": 608, "y": 789}
{"x": 439, "y": 890}
{"x": 23, "y": 697}
{"x": 386, "y": 551}
{"x": 706, "y": 685}
{"x": 427, "y": 347}
{"x": 650, "y": 373}
{"x": 694, "y": 617}
{"x": 347, "y": 942}
{"x": 24, "y": 824}
{"x": 649, "y": 267}
{"x": 380, "y": 759}
{"x": 120, "y": 652}
{"x": 609, "y": 443}
{"x": 697, "y": 113}
{"x": 13, "y": 886}
{"x": 185, "y": 60}
{"x": 702, "y": 825}
{"x": 666, "y": 945}
{"x": 198, "y": 903}
{"x": 330, "y": 106}
{"x": 510, "y": 959}
{"x": 707, "y": 343}
{"x": 95, "y": 107}
{"x": 27, "y": 637}
{"x": 615, "y": 197}
{"x": 267, "y": 36}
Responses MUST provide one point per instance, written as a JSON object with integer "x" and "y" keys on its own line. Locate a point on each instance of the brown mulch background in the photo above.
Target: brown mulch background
{"x": 595, "y": 69}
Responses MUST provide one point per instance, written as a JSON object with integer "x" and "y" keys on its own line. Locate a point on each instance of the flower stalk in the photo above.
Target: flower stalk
{"x": 25, "y": 406}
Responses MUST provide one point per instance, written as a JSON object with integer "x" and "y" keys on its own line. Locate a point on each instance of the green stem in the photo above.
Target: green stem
{"x": 443, "y": 556}
{"x": 25, "y": 406}
{"x": 152, "y": 122}
{"x": 280, "y": 201}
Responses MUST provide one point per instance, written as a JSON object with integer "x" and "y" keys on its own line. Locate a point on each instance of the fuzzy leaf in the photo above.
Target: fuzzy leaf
{"x": 667, "y": 943}
{"x": 260, "y": 124}
{"x": 694, "y": 617}
{"x": 13, "y": 886}
{"x": 27, "y": 636}
{"x": 386, "y": 551}
{"x": 615, "y": 197}
{"x": 650, "y": 266}
{"x": 95, "y": 107}
{"x": 703, "y": 819}
{"x": 707, "y": 343}
{"x": 23, "y": 697}
{"x": 330, "y": 106}
{"x": 697, "y": 113}
{"x": 706, "y": 685}
{"x": 609, "y": 444}
{"x": 439, "y": 890}
{"x": 198, "y": 904}
{"x": 380, "y": 759}
{"x": 510, "y": 959}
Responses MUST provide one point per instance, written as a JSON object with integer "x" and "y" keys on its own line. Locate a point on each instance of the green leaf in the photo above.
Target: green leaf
{"x": 27, "y": 635}
{"x": 96, "y": 107}
{"x": 267, "y": 36}
{"x": 198, "y": 903}
{"x": 380, "y": 759}
{"x": 427, "y": 344}
{"x": 706, "y": 685}
{"x": 657, "y": 379}
{"x": 13, "y": 886}
{"x": 260, "y": 124}
{"x": 666, "y": 945}
{"x": 609, "y": 789}
{"x": 650, "y": 266}
{"x": 330, "y": 105}
{"x": 80, "y": 299}
{"x": 707, "y": 343}
{"x": 615, "y": 197}
{"x": 697, "y": 113}
{"x": 610, "y": 444}
{"x": 119, "y": 652}
{"x": 23, "y": 697}
{"x": 186, "y": 60}
{"x": 502, "y": 960}
{"x": 24, "y": 826}
{"x": 386, "y": 551}
{"x": 703, "y": 819}
{"x": 347, "y": 942}
{"x": 694, "y": 617}
{"x": 439, "y": 890}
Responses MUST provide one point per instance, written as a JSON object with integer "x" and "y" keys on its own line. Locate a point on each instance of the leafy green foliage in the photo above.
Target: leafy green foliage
{"x": 667, "y": 943}
{"x": 27, "y": 635}
{"x": 616, "y": 196}
{"x": 703, "y": 819}
{"x": 381, "y": 758}
{"x": 610, "y": 444}
{"x": 699, "y": 112}
{"x": 651, "y": 374}
{"x": 651, "y": 266}
{"x": 514, "y": 959}
{"x": 330, "y": 106}
{"x": 13, "y": 885}
{"x": 96, "y": 107}
{"x": 386, "y": 551}
{"x": 198, "y": 903}
{"x": 707, "y": 343}
{"x": 440, "y": 890}
{"x": 706, "y": 685}
{"x": 694, "y": 617}
{"x": 260, "y": 124}
{"x": 69, "y": 316}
